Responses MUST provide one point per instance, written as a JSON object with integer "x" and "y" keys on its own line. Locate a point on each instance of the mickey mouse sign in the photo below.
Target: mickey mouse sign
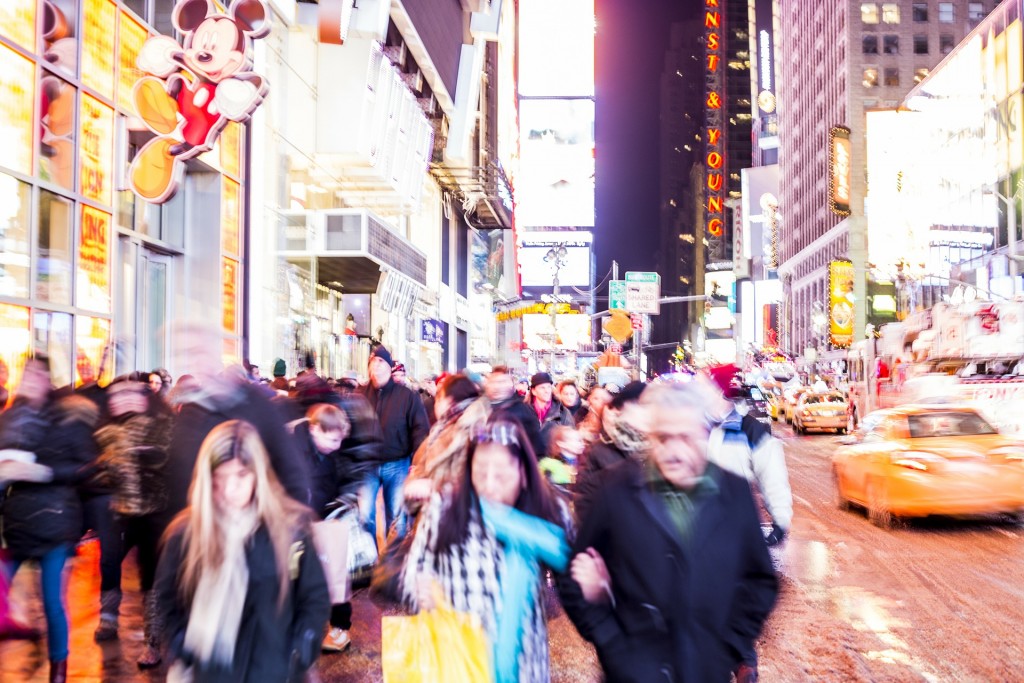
{"x": 195, "y": 88}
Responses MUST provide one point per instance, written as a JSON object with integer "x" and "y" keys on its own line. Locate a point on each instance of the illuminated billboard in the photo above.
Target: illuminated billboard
{"x": 840, "y": 303}
{"x": 555, "y": 185}
{"x": 536, "y": 272}
{"x": 571, "y": 331}
{"x": 556, "y": 48}
{"x": 839, "y": 170}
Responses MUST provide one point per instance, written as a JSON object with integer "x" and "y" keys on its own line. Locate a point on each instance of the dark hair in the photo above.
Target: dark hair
{"x": 535, "y": 498}
{"x": 458, "y": 388}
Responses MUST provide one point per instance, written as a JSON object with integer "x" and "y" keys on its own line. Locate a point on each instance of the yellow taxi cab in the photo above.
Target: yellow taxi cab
{"x": 822, "y": 411}
{"x": 790, "y": 397}
{"x": 920, "y": 460}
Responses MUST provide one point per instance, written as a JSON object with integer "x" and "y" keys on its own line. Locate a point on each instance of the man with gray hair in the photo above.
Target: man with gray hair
{"x": 672, "y": 580}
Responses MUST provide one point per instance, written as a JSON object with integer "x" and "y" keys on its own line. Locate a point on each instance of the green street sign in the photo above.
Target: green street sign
{"x": 642, "y": 276}
{"x": 617, "y": 295}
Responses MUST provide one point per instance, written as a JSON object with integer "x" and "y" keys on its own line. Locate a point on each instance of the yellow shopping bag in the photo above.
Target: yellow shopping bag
{"x": 435, "y": 646}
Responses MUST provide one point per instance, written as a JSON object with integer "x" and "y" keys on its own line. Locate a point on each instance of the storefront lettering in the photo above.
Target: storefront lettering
{"x": 714, "y": 182}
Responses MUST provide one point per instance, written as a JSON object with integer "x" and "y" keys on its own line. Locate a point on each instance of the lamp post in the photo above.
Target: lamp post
{"x": 819, "y": 321}
{"x": 1011, "y": 228}
{"x": 557, "y": 257}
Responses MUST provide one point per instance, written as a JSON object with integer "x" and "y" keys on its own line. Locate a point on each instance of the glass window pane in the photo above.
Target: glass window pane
{"x": 946, "y": 44}
{"x": 921, "y": 45}
{"x": 946, "y": 13}
{"x": 869, "y": 12}
{"x": 892, "y": 76}
{"x": 17, "y": 102}
{"x": 131, "y": 37}
{"x": 870, "y": 77}
{"x": 57, "y": 144}
{"x": 162, "y": 15}
{"x": 975, "y": 11}
{"x": 890, "y": 13}
{"x": 891, "y": 45}
{"x": 92, "y": 349}
{"x": 60, "y": 31}
{"x": 15, "y": 237}
{"x": 92, "y": 290}
{"x": 51, "y": 334}
{"x": 870, "y": 44}
{"x": 156, "y": 313}
{"x": 53, "y": 270}
{"x": 18, "y": 22}
{"x": 96, "y": 157}
{"x": 14, "y": 347}
{"x": 99, "y": 20}
{"x": 920, "y": 11}
{"x": 920, "y": 75}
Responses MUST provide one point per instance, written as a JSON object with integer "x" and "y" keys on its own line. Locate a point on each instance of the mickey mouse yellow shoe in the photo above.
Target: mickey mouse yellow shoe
{"x": 153, "y": 171}
{"x": 158, "y": 109}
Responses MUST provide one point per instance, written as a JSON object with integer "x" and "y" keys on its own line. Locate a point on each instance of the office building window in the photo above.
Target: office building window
{"x": 869, "y": 12}
{"x": 870, "y": 76}
{"x": 947, "y": 14}
{"x": 920, "y": 11}
{"x": 920, "y": 45}
{"x": 890, "y": 13}
{"x": 946, "y": 44}
{"x": 870, "y": 44}
{"x": 892, "y": 76}
{"x": 891, "y": 45}
{"x": 920, "y": 75}
{"x": 975, "y": 12}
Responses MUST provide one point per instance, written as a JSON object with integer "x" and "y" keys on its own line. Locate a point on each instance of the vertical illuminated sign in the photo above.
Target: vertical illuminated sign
{"x": 840, "y": 305}
{"x": 839, "y": 170}
{"x": 93, "y": 289}
{"x": 96, "y": 154}
{"x": 715, "y": 149}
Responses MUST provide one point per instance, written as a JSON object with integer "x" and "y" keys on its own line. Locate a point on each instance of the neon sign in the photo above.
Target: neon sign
{"x": 715, "y": 153}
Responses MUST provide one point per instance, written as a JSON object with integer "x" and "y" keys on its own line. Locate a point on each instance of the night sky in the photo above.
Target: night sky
{"x": 632, "y": 36}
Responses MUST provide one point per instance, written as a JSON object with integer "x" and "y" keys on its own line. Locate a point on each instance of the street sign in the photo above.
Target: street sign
{"x": 618, "y": 326}
{"x": 617, "y": 295}
{"x": 643, "y": 289}
{"x": 637, "y": 320}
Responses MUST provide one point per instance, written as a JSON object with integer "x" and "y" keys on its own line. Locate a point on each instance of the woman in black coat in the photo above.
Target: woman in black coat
{"x": 42, "y": 515}
{"x": 239, "y": 580}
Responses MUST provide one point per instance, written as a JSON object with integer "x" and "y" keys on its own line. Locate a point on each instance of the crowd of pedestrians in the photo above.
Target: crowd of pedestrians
{"x": 639, "y": 504}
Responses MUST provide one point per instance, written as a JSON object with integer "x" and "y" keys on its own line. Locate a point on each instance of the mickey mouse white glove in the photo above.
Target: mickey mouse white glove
{"x": 235, "y": 99}
{"x": 156, "y": 56}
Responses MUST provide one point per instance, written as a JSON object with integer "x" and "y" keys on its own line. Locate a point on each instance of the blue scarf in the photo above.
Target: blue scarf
{"x": 528, "y": 541}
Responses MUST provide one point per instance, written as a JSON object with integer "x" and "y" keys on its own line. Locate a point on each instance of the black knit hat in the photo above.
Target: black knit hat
{"x": 540, "y": 378}
{"x": 381, "y": 352}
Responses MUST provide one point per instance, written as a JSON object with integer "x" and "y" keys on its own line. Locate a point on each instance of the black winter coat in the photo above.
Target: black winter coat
{"x": 273, "y": 646}
{"x": 196, "y": 421}
{"x": 558, "y": 415}
{"x": 332, "y": 475}
{"x": 517, "y": 410}
{"x": 402, "y": 419}
{"x": 683, "y": 612}
{"x": 600, "y": 456}
{"x": 38, "y": 517}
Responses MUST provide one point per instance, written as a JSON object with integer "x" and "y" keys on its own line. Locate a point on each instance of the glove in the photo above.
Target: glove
{"x": 745, "y": 674}
{"x": 776, "y": 536}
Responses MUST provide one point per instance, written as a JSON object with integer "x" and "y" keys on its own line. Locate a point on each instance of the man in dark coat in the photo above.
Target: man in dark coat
{"x": 501, "y": 392}
{"x": 404, "y": 426}
{"x": 550, "y": 411}
{"x": 688, "y": 582}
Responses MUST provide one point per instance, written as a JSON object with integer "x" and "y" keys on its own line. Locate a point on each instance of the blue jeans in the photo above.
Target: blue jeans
{"x": 391, "y": 476}
{"x": 51, "y": 566}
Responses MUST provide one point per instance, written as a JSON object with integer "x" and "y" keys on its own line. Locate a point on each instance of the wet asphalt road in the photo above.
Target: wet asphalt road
{"x": 937, "y": 600}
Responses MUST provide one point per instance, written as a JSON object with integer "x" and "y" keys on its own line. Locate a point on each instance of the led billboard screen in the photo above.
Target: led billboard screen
{"x": 535, "y": 272}
{"x": 556, "y": 48}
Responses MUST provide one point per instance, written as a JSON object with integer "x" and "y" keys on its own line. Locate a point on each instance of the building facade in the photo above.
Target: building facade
{"x": 838, "y": 60}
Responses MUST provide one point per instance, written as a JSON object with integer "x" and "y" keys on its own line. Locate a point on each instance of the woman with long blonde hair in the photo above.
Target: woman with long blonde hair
{"x": 239, "y": 580}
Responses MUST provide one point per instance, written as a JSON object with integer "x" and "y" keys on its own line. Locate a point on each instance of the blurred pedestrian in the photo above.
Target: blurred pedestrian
{"x": 133, "y": 454}
{"x": 559, "y": 466}
{"x": 280, "y": 382}
{"x": 597, "y": 398}
{"x": 428, "y": 392}
{"x": 569, "y": 394}
{"x": 499, "y": 387}
{"x": 404, "y": 426}
{"x": 550, "y": 411}
{"x": 239, "y": 581}
{"x": 398, "y": 374}
{"x": 671, "y": 579}
{"x": 503, "y": 521}
{"x": 42, "y": 514}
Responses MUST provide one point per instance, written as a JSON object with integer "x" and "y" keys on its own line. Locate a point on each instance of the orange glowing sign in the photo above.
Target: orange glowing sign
{"x": 18, "y": 22}
{"x": 133, "y": 36}
{"x": 714, "y": 159}
{"x": 839, "y": 170}
{"x": 229, "y": 284}
{"x": 93, "y": 290}
{"x": 92, "y": 356}
{"x": 229, "y": 217}
{"x": 231, "y": 149}
{"x": 99, "y": 22}
{"x": 840, "y": 304}
{"x": 14, "y": 348}
{"x": 96, "y": 154}
{"x": 17, "y": 100}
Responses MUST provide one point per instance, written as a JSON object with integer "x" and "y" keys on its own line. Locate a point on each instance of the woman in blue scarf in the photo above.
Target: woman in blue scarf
{"x": 486, "y": 541}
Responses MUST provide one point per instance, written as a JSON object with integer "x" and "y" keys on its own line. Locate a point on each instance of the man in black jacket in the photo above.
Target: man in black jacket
{"x": 500, "y": 390}
{"x": 688, "y": 581}
{"x": 404, "y": 426}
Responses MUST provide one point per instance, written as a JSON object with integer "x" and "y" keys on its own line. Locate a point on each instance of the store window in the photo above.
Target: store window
{"x": 891, "y": 45}
{"x": 60, "y": 35}
{"x": 946, "y": 44}
{"x": 869, "y": 12}
{"x": 975, "y": 12}
{"x": 18, "y": 22}
{"x": 96, "y": 156}
{"x": 92, "y": 286}
{"x": 57, "y": 128}
{"x": 947, "y": 14}
{"x": 920, "y": 11}
{"x": 92, "y": 345}
{"x": 53, "y": 269}
{"x": 14, "y": 346}
{"x": 890, "y": 13}
{"x": 17, "y": 102}
{"x": 920, "y": 74}
{"x": 870, "y": 45}
{"x": 870, "y": 77}
{"x": 51, "y": 334}
{"x": 137, "y": 6}
{"x": 99, "y": 20}
{"x": 163, "y": 13}
{"x": 15, "y": 237}
{"x": 153, "y": 335}
{"x": 892, "y": 76}
{"x": 921, "y": 45}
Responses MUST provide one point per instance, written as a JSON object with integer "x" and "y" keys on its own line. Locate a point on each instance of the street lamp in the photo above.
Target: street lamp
{"x": 1011, "y": 228}
{"x": 557, "y": 257}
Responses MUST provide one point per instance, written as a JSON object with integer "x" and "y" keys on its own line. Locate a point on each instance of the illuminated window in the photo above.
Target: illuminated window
{"x": 890, "y": 13}
{"x": 892, "y": 76}
{"x": 975, "y": 12}
{"x": 57, "y": 142}
{"x": 15, "y": 209}
{"x": 869, "y": 12}
{"x": 947, "y": 14}
{"x": 870, "y": 77}
{"x": 920, "y": 11}
{"x": 921, "y": 45}
{"x": 946, "y": 44}
{"x": 920, "y": 75}
{"x": 870, "y": 45}
{"x": 53, "y": 269}
{"x": 891, "y": 45}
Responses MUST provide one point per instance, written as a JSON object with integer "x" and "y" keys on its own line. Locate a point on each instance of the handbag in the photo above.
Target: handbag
{"x": 362, "y": 547}
{"x": 331, "y": 539}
